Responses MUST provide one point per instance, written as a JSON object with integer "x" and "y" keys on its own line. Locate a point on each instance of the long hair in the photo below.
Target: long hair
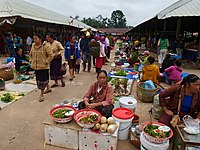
{"x": 191, "y": 78}
{"x": 40, "y": 36}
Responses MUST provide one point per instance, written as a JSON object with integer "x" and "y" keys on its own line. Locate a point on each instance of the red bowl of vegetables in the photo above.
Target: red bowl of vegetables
{"x": 153, "y": 132}
{"x": 87, "y": 118}
{"x": 62, "y": 114}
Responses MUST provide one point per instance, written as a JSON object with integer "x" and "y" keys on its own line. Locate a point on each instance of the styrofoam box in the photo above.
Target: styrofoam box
{"x": 89, "y": 140}
{"x": 62, "y": 135}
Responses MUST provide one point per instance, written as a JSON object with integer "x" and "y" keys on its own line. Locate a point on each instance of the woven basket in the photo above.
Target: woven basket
{"x": 145, "y": 95}
{"x": 6, "y": 74}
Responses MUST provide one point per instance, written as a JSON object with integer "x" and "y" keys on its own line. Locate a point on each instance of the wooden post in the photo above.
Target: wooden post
{"x": 165, "y": 25}
{"x": 178, "y": 27}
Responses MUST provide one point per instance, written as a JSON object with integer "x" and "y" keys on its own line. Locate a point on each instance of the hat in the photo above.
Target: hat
{"x": 146, "y": 52}
{"x": 102, "y": 38}
{"x": 87, "y": 34}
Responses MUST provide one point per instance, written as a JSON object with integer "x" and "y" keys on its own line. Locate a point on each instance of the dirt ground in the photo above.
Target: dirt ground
{"x": 21, "y": 126}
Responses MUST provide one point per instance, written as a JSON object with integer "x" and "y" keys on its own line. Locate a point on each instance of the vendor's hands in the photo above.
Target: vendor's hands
{"x": 91, "y": 106}
{"x": 169, "y": 112}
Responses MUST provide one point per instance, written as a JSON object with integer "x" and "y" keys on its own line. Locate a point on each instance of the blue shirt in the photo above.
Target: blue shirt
{"x": 186, "y": 104}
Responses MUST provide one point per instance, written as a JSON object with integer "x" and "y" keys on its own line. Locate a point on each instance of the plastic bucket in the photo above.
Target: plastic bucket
{"x": 125, "y": 117}
{"x": 147, "y": 145}
{"x": 128, "y": 102}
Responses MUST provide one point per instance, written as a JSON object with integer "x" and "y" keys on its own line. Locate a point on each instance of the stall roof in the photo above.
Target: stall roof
{"x": 181, "y": 8}
{"x": 12, "y": 8}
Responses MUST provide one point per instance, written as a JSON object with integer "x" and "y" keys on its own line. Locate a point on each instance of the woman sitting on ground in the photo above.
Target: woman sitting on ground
{"x": 189, "y": 94}
{"x": 22, "y": 65}
{"x": 173, "y": 73}
{"x": 150, "y": 71}
{"x": 99, "y": 96}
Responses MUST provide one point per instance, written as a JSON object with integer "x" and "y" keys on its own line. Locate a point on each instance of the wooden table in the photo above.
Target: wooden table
{"x": 187, "y": 139}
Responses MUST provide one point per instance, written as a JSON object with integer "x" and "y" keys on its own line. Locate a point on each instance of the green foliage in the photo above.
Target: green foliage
{"x": 117, "y": 20}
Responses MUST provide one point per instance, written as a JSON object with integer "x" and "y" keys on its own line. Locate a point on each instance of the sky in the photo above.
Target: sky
{"x": 135, "y": 11}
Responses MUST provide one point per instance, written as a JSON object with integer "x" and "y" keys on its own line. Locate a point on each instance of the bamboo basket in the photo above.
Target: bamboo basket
{"x": 6, "y": 74}
{"x": 145, "y": 95}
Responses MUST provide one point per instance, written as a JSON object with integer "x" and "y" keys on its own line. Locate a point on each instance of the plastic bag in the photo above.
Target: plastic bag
{"x": 192, "y": 125}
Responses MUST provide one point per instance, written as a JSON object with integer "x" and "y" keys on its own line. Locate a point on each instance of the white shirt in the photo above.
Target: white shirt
{"x": 29, "y": 40}
{"x": 107, "y": 41}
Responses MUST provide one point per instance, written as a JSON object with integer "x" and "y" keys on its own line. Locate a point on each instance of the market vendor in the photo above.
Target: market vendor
{"x": 22, "y": 65}
{"x": 99, "y": 96}
{"x": 189, "y": 94}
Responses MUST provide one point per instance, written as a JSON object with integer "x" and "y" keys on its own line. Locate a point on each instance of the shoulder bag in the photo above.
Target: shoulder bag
{"x": 176, "y": 119}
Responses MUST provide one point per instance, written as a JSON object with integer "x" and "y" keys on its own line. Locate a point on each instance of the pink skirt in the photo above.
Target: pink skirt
{"x": 99, "y": 62}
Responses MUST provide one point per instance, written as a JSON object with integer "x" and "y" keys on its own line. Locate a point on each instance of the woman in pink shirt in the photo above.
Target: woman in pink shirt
{"x": 99, "y": 96}
{"x": 173, "y": 73}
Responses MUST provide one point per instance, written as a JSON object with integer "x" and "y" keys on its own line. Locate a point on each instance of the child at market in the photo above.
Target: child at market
{"x": 173, "y": 74}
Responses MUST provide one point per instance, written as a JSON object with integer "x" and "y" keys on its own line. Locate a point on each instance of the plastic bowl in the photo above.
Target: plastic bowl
{"x": 68, "y": 118}
{"x": 155, "y": 139}
{"x": 83, "y": 113}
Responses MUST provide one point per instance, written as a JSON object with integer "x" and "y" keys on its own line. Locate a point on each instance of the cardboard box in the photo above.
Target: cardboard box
{"x": 62, "y": 135}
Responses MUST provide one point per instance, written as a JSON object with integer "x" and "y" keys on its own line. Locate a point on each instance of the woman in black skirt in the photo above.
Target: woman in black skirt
{"x": 40, "y": 57}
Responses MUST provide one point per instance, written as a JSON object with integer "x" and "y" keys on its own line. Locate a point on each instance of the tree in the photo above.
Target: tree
{"x": 118, "y": 19}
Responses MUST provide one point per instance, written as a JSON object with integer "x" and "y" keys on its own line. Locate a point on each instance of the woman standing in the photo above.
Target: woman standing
{"x": 100, "y": 59}
{"x": 40, "y": 58}
{"x": 72, "y": 54}
{"x": 163, "y": 43}
{"x": 56, "y": 63}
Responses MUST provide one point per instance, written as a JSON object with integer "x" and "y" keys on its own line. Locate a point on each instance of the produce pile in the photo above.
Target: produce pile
{"x": 153, "y": 131}
{"x": 106, "y": 125}
{"x": 119, "y": 86}
{"x": 89, "y": 119}
{"x": 60, "y": 113}
{"x": 7, "y": 97}
{"x": 121, "y": 73}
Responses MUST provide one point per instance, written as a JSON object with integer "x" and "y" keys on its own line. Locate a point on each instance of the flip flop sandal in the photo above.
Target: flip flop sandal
{"x": 70, "y": 79}
{"x": 54, "y": 85}
{"x": 41, "y": 99}
{"x": 63, "y": 83}
{"x": 47, "y": 91}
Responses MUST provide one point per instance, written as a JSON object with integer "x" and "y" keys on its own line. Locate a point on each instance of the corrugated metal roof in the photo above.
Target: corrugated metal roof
{"x": 180, "y": 9}
{"x": 9, "y": 8}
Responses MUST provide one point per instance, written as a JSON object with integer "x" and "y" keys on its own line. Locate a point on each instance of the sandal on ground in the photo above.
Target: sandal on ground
{"x": 54, "y": 85}
{"x": 63, "y": 83}
{"x": 41, "y": 99}
{"x": 71, "y": 78}
{"x": 47, "y": 91}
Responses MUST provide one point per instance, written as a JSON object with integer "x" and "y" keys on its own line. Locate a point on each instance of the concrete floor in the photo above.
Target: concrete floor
{"x": 21, "y": 125}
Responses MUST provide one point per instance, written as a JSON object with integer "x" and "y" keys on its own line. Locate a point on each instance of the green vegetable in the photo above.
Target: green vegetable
{"x": 60, "y": 113}
{"x": 21, "y": 94}
{"x": 121, "y": 73}
{"x": 89, "y": 119}
{"x": 124, "y": 81}
{"x": 7, "y": 97}
{"x": 153, "y": 130}
{"x": 109, "y": 79}
{"x": 113, "y": 82}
